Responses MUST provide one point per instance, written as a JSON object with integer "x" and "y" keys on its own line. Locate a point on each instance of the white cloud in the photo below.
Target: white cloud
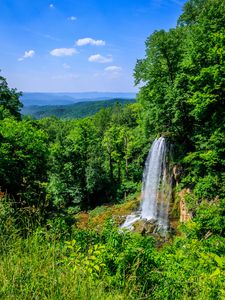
{"x": 111, "y": 72}
{"x": 72, "y": 18}
{"x": 90, "y": 41}
{"x": 51, "y": 5}
{"x": 66, "y": 66}
{"x": 63, "y": 52}
{"x": 113, "y": 69}
{"x": 100, "y": 59}
{"x": 27, "y": 54}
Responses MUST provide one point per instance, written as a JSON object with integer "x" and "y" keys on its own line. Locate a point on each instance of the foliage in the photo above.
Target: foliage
{"x": 58, "y": 167}
{"x": 94, "y": 160}
{"x": 188, "y": 270}
{"x": 29, "y": 269}
{"x": 90, "y": 263}
{"x": 23, "y": 157}
{"x": 183, "y": 95}
{"x": 7, "y": 217}
{"x": 115, "y": 264}
{"x": 10, "y": 104}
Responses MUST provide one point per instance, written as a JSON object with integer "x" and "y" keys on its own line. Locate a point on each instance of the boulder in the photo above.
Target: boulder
{"x": 144, "y": 226}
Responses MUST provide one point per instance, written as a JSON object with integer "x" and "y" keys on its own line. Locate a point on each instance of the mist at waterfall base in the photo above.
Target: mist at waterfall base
{"x": 156, "y": 190}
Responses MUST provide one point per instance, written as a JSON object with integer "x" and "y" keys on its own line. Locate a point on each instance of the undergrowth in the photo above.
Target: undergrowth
{"x": 60, "y": 262}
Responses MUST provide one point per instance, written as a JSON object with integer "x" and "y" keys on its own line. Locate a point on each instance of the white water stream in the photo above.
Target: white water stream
{"x": 156, "y": 190}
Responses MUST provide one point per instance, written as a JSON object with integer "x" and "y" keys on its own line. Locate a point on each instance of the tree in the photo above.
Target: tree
{"x": 23, "y": 164}
{"x": 183, "y": 93}
{"x": 9, "y": 100}
{"x": 165, "y": 105}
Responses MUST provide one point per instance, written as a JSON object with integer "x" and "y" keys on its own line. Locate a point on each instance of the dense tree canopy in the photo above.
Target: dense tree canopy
{"x": 183, "y": 94}
{"x": 9, "y": 100}
{"x": 52, "y": 166}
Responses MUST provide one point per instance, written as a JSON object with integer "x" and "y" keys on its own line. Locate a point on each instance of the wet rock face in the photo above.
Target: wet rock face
{"x": 144, "y": 226}
{"x": 185, "y": 215}
{"x": 151, "y": 228}
{"x": 177, "y": 173}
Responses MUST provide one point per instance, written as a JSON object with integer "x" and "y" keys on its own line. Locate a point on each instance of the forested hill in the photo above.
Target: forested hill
{"x": 41, "y": 99}
{"x": 76, "y": 110}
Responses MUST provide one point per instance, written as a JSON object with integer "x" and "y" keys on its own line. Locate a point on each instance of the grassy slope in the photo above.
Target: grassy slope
{"x": 30, "y": 269}
{"x": 34, "y": 267}
{"x": 96, "y": 218}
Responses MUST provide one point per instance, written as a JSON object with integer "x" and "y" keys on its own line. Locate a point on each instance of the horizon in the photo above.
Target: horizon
{"x": 81, "y": 92}
{"x": 62, "y": 46}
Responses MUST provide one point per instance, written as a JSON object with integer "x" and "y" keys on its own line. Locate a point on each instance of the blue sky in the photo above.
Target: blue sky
{"x": 78, "y": 45}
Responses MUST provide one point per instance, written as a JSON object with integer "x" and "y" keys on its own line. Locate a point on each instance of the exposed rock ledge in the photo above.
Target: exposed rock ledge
{"x": 185, "y": 215}
{"x": 144, "y": 226}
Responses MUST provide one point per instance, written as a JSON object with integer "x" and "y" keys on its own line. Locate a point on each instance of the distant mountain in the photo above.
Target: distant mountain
{"x": 41, "y": 99}
{"x": 72, "y": 111}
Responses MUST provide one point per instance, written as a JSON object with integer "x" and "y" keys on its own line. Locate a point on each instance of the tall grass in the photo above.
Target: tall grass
{"x": 30, "y": 269}
{"x": 107, "y": 265}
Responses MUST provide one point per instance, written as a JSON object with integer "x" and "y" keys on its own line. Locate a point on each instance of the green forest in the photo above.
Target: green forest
{"x": 67, "y": 184}
{"x": 72, "y": 111}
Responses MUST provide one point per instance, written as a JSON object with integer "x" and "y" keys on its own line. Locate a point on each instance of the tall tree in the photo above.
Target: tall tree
{"x": 9, "y": 100}
{"x": 23, "y": 164}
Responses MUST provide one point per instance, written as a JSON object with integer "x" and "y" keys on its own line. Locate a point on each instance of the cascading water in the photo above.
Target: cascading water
{"x": 156, "y": 190}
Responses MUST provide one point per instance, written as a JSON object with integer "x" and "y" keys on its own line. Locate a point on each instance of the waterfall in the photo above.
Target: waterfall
{"x": 155, "y": 199}
{"x": 156, "y": 189}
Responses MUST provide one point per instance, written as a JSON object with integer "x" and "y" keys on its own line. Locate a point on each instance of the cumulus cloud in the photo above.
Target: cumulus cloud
{"x": 51, "y": 5}
{"x": 90, "y": 41}
{"x": 27, "y": 54}
{"x": 110, "y": 72}
{"x": 100, "y": 59}
{"x": 113, "y": 69}
{"x": 63, "y": 52}
{"x": 72, "y": 18}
